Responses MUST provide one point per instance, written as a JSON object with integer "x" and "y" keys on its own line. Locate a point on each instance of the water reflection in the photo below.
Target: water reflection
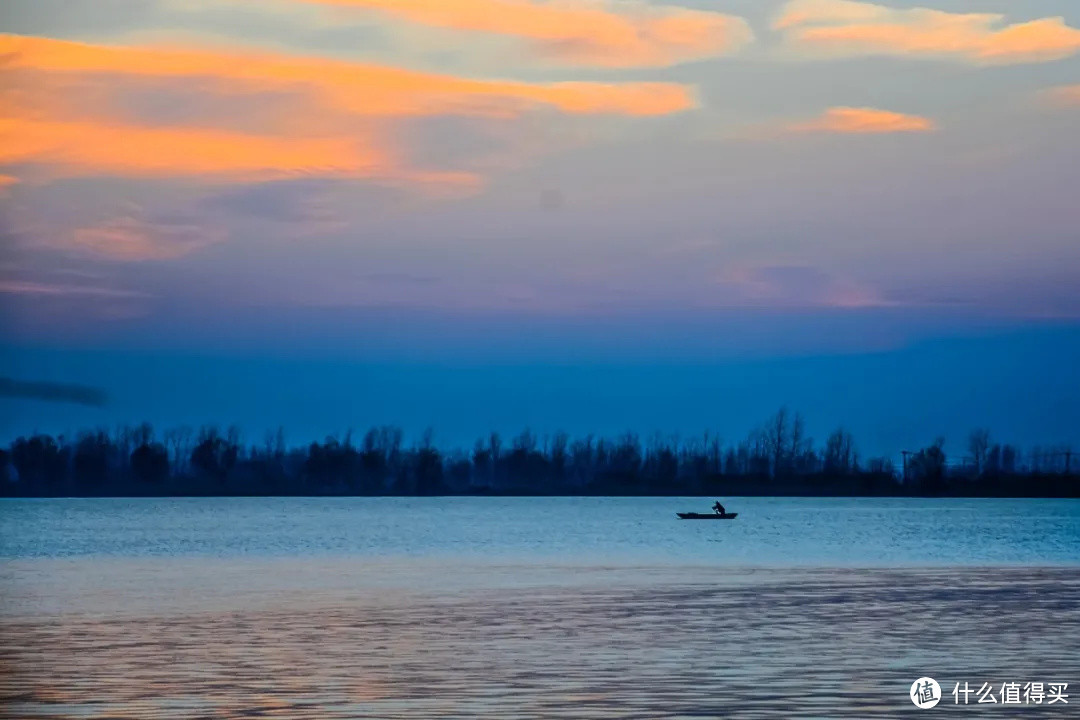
{"x": 769, "y": 643}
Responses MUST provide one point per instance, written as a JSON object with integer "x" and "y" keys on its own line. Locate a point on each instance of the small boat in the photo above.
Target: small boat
{"x": 706, "y": 516}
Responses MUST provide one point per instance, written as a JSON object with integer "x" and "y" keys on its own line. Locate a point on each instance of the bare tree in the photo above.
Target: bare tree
{"x": 979, "y": 447}
{"x": 839, "y": 456}
{"x": 774, "y": 440}
{"x": 179, "y": 442}
{"x": 142, "y": 434}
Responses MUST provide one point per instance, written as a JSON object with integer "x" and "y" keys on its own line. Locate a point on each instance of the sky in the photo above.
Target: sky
{"x": 566, "y": 214}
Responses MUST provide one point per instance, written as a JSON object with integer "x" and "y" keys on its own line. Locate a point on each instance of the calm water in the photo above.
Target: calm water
{"x": 768, "y": 532}
{"x": 506, "y": 608}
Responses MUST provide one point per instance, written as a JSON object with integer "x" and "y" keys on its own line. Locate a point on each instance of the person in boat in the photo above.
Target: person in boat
{"x": 719, "y": 508}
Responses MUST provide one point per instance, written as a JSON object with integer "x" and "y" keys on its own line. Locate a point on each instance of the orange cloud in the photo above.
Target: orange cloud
{"x": 331, "y": 122}
{"x": 867, "y": 121}
{"x": 586, "y": 32}
{"x": 363, "y": 89}
{"x": 91, "y": 148}
{"x": 840, "y": 28}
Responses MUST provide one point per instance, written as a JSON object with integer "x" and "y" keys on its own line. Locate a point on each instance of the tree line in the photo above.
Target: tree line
{"x": 777, "y": 458}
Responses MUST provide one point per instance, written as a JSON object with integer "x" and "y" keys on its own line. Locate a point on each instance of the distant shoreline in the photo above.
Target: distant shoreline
{"x": 525, "y": 494}
{"x": 776, "y": 460}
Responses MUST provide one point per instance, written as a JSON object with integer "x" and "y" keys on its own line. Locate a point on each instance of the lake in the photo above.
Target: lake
{"x": 529, "y": 607}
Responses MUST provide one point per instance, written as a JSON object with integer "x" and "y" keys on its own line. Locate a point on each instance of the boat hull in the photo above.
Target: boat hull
{"x": 706, "y": 516}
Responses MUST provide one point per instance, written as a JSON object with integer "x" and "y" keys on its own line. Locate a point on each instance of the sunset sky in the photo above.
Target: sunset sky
{"x": 486, "y": 214}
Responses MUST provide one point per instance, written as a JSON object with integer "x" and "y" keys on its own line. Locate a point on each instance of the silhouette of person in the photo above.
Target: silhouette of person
{"x": 719, "y": 508}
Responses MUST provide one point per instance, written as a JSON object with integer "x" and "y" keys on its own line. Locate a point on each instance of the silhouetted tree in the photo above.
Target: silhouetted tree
{"x": 150, "y": 463}
{"x": 662, "y": 463}
{"x": 41, "y": 462}
{"x": 927, "y": 467}
{"x": 774, "y": 441}
{"x": 839, "y": 456}
{"x": 979, "y": 447}
{"x": 1008, "y": 459}
{"x": 90, "y": 464}
{"x": 428, "y": 467}
{"x": 778, "y": 457}
{"x": 179, "y": 442}
{"x": 333, "y": 466}
{"x": 214, "y": 456}
{"x": 5, "y": 466}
